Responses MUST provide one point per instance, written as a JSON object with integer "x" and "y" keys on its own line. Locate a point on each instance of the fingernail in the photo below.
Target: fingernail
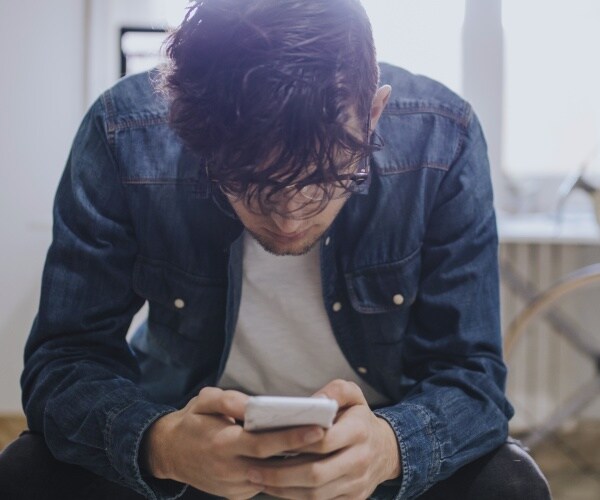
{"x": 254, "y": 476}
{"x": 312, "y": 436}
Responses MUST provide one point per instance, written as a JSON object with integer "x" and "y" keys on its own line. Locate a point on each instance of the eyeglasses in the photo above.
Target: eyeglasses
{"x": 309, "y": 192}
{"x": 300, "y": 198}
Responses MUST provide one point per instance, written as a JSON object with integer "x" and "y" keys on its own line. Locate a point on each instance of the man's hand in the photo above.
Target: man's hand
{"x": 203, "y": 446}
{"x": 357, "y": 453}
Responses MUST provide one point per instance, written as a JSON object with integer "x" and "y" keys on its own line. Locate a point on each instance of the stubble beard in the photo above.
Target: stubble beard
{"x": 275, "y": 249}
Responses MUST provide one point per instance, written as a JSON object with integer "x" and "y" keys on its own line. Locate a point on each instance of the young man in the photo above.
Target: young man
{"x": 297, "y": 228}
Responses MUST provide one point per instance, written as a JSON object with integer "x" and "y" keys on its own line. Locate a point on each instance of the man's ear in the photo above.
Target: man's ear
{"x": 380, "y": 100}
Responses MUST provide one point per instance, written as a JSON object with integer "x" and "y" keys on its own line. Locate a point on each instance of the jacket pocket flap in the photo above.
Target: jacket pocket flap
{"x": 188, "y": 304}
{"x": 385, "y": 288}
{"x": 171, "y": 287}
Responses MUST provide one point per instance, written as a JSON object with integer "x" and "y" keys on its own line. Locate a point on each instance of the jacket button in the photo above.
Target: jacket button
{"x": 337, "y": 306}
{"x": 362, "y": 370}
{"x": 398, "y": 299}
{"x": 327, "y": 241}
{"x": 179, "y": 303}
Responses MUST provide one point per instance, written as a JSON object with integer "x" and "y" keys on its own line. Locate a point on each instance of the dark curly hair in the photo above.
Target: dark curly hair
{"x": 263, "y": 90}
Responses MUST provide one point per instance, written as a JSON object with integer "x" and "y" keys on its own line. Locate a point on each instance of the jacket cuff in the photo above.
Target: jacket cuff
{"x": 124, "y": 433}
{"x": 418, "y": 445}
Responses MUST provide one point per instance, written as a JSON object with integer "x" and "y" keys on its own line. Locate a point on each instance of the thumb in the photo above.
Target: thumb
{"x": 346, "y": 393}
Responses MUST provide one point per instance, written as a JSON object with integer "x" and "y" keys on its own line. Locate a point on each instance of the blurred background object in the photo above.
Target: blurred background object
{"x": 578, "y": 181}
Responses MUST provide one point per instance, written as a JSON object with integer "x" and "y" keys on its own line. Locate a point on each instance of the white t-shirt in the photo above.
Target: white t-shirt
{"x": 283, "y": 343}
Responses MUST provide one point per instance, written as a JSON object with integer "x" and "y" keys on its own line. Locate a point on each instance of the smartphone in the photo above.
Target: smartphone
{"x": 276, "y": 412}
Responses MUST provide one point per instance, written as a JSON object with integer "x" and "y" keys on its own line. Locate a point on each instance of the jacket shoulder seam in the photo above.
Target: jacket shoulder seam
{"x": 399, "y": 108}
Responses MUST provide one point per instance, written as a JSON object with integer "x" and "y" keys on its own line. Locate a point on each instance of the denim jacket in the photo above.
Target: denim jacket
{"x": 412, "y": 260}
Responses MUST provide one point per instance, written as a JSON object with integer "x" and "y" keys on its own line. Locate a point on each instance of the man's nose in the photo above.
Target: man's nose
{"x": 285, "y": 224}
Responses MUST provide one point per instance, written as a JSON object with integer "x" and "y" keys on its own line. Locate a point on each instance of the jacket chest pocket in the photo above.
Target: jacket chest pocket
{"x": 186, "y": 317}
{"x": 383, "y": 296}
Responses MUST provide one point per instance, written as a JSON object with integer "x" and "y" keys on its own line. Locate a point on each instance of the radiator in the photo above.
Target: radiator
{"x": 544, "y": 368}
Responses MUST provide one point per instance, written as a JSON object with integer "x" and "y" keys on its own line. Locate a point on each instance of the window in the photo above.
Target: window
{"x": 530, "y": 70}
{"x": 423, "y": 36}
{"x": 552, "y": 87}
{"x": 141, "y": 49}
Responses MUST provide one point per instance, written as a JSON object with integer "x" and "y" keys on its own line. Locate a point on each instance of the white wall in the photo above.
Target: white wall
{"x": 56, "y": 58}
{"x": 41, "y": 104}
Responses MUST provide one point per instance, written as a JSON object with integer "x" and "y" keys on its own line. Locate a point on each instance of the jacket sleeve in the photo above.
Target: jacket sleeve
{"x": 79, "y": 382}
{"x": 457, "y": 410}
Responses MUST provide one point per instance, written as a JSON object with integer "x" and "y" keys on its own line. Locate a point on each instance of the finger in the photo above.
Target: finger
{"x": 213, "y": 400}
{"x": 346, "y": 464}
{"x": 336, "y": 489}
{"x": 350, "y": 428}
{"x": 271, "y": 443}
{"x": 242, "y": 490}
{"x": 346, "y": 393}
{"x": 309, "y": 475}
